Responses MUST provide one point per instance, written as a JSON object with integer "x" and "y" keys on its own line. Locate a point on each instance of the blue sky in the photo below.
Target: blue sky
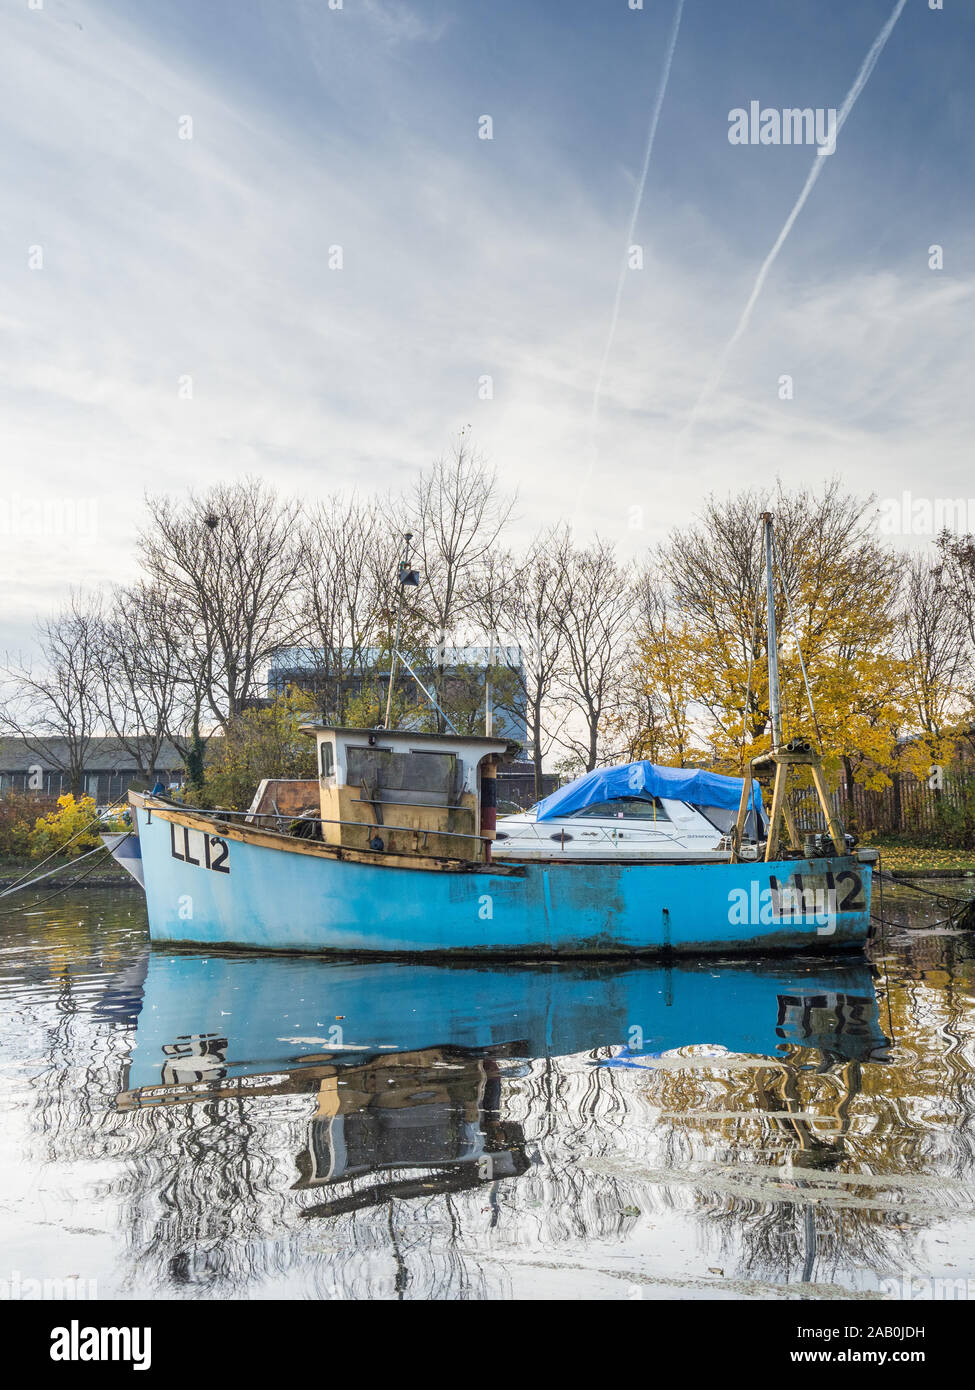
{"x": 207, "y": 258}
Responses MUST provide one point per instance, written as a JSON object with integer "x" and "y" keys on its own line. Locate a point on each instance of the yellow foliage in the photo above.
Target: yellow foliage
{"x": 53, "y": 832}
{"x": 693, "y": 657}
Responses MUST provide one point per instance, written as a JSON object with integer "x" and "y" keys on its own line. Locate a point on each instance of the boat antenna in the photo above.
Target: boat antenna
{"x": 752, "y": 638}
{"x": 488, "y": 689}
{"x": 773, "y": 651}
{"x": 408, "y": 578}
{"x": 447, "y": 720}
{"x": 802, "y": 664}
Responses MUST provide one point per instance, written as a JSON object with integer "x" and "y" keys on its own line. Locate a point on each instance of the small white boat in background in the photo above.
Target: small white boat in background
{"x": 126, "y": 850}
{"x": 636, "y": 811}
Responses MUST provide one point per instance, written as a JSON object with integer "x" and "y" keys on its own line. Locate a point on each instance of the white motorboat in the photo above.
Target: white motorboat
{"x": 636, "y": 811}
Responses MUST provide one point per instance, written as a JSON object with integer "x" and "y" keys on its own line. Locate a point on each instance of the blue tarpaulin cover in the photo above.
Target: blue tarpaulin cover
{"x": 646, "y": 780}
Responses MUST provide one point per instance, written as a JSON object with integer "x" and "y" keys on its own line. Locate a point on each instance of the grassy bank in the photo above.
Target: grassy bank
{"x": 102, "y": 870}
{"x": 904, "y": 857}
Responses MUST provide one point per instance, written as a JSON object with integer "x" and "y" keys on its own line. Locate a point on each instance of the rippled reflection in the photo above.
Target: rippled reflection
{"x": 246, "y": 1126}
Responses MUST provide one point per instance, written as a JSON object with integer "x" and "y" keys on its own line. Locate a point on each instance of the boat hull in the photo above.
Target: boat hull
{"x": 238, "y": 890}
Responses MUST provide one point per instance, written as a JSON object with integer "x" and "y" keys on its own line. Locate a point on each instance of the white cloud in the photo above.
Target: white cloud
{"x": 166, "y": 258}
{"x": 400, "y": 22}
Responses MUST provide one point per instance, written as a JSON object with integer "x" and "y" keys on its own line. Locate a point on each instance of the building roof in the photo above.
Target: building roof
{"x": 415, "y": 736}
{"x": 104, "y": 755}
{"x": 298, "y": 658}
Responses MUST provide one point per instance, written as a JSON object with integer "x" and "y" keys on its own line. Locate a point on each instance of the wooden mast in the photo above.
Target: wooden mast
{"x": 798, "y": 753}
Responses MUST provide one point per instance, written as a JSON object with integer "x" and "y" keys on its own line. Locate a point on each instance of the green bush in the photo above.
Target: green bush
{"x": 18, "y": 813}
{"x": 259, "y": 743}
{"x": 955, "y": 825}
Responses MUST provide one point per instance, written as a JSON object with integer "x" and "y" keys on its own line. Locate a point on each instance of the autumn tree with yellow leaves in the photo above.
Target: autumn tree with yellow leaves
{"x": 700, "y": 654}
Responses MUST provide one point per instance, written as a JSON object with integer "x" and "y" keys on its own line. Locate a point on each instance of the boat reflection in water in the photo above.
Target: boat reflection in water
{"x": 405, "y": 1066}
{"x": 435, "y": 1110}
{"x": 255, "y": 1127}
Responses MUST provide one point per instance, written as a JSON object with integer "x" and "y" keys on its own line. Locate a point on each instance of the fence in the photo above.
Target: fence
{"x": 909, "y": 804}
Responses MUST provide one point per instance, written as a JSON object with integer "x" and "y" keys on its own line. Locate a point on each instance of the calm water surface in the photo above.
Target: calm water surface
{"x": 180, "y": 1125}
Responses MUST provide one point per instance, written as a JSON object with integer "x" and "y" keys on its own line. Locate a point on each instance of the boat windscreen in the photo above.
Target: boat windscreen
{"x": 625, "y": 808}
{"x": 723, "y": 819}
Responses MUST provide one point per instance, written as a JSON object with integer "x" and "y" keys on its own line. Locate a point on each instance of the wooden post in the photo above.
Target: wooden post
{"x": 835, "y": 830}
{"x": 739, "y": 826}
{"x": 489, "y": 804}
{"x": 790, "y": 822}
{"x": 775, "y": 815}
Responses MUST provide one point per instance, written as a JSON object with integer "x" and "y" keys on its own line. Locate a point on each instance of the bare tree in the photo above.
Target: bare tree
{"x": 230, "y": 560}
{"x": 936, "y": 640}
{"x": 339, "y": 602}
{"x": 596, "y": 613}
{"x": 458, "y": 515}
{"x": 955, "y": 572}
{"x": 141, "y": 664}
{"x": 521, "y": 600}
{"x": 54, "y": 706}
{"x": 713, "y": 572}
{"x": 654, "y": 714}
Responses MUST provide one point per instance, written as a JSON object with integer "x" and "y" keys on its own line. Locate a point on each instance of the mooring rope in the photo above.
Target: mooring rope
{"x": 21, "y": 887}
{"x": 930, "y": 892}
{"x": 97, "y": 820}
{"x": 65, "y": 887}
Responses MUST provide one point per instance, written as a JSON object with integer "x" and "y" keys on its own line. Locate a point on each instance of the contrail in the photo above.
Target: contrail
{"x": 637, "y": 202}
{"x": 631, "y": 232}
{"x": 862, "y": 78}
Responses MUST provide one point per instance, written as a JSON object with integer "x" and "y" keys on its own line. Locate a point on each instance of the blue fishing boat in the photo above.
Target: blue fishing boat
{"x": 389, "y": 852}
{"x": 396, "y": 859}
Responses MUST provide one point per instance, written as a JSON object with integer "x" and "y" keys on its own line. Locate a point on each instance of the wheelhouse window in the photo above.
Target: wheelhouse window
{"x": 625, "y": 808}
{"x": 328, "y": 758}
